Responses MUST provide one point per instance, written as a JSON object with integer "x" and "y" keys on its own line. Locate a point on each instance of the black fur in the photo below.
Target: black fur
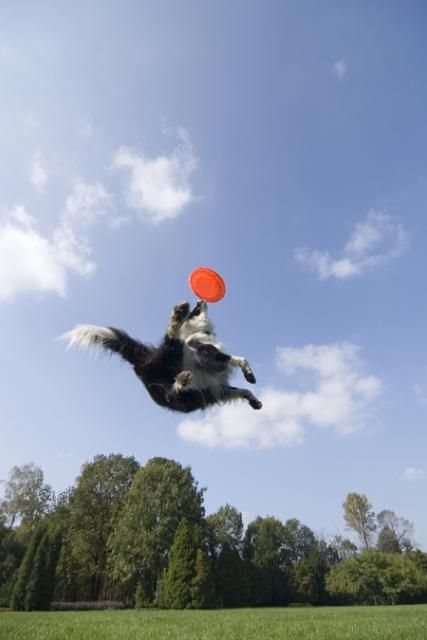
{"x": 161, "y": 370}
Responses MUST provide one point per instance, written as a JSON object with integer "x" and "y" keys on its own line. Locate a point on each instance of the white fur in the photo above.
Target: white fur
{"x": 86, "y": 335}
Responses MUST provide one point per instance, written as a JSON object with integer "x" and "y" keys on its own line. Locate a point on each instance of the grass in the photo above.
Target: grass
{"x": 338, "y": 623}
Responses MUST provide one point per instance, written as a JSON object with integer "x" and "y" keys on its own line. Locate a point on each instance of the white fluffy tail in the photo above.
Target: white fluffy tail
{"x": 84, "y": 336}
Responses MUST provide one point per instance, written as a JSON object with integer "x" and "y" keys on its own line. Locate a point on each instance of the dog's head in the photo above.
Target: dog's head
{"x": 197, "y": 322}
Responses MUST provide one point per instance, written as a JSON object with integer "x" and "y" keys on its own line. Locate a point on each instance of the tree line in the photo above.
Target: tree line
{"x": 139, "y": 536}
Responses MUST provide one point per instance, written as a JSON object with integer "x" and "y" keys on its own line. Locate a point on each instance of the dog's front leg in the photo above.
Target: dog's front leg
{"x": 178, "y": 317}
{"x": 237, "y": 361}
{"x": 233, "y": 393}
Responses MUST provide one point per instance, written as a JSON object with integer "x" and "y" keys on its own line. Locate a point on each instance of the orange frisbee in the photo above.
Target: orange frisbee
{"x": 207, "y": 284}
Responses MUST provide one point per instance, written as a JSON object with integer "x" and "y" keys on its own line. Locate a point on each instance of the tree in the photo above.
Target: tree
{"x": 92, "y": 510}
{"x": 225, "y": 527}
{"x": 300, "y": 541}
{"x": 18, "y": 599}
{"x": 35, "y": 582}
{"x": 202, "y": 583}
{"x": 359, "y": 517}
{"x": 265, "y": 551}
{"x": 388, "y": 541}
{"x": 188, "y": 581}
{"x": 41, "y": 581}
{"x": 162, "y": 493}
{"x": 378, "y": 578}
{"x": 230, "y": 578}
{"x": 344, "y": 547}
{"x": 397, "y": 529}
{"x": 26, "y": 497}
{"x": 11, "y": 553}
{"x": 182, "y": 563}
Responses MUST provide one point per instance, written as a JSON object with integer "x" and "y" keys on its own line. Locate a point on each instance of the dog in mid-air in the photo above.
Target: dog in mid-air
{"x": 188, "y": 371}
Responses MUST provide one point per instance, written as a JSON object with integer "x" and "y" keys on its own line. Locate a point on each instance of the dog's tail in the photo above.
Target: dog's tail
{"x": 87, "y": 335}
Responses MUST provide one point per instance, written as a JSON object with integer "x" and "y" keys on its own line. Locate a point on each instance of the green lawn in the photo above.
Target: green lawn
{"x": 339, "y": 623}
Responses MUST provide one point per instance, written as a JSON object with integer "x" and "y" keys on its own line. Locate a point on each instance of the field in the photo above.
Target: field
{"x": 339, "y": 623}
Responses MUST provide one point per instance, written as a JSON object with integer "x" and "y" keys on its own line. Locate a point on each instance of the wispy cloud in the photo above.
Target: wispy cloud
{"x": 339, "y": 396}
{"x": 374, "y": 241}
{"x": 38, "y": 174}
{"x": 33, "y": 262}
{"x": 159, "y": 188}
{"x": 411, "y": 474}
{"x": 340, "y": 68}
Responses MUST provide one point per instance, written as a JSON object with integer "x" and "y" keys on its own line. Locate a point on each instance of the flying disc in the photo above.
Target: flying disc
{"x": 207, "y": 284}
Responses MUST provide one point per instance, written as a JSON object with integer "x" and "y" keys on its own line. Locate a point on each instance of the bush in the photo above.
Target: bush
{"x": 86, "y": 606}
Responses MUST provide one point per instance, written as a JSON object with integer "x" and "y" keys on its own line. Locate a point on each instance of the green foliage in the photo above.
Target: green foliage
{"x": 11, "y": 553}
{"x": 308, "y": 579}
{"x": 396, "y": 533}
{"x": 162, "y": 493}
{"x": 378, "y": 578}
{"x": 343, "y": 547}
{"x": 181, "y": 568}
{"x": 230, "y": 578}
{"x": 266, "y": 552}
{"x": 17, "y": 602}
{"x": 36, "y": 576}
{"x": 225, "y": 527}
{"x": 388, "y": 541}
{"x": 202, "y": 583}
{"x": 26, "y": 497}
{"x": 188, "y": 582}
{"x": 360, "y": 518}
{"x": 299, "y": 541}
{"x": 89, "y": 516}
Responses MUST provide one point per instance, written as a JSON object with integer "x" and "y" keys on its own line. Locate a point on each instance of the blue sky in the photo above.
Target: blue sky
{"x": 281, "y": 143}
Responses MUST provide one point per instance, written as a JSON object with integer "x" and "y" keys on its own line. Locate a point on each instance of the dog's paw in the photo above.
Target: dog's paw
{"x": 184, "y": 378}
{"x": 249, "y": 376}
{"x": 255, "y": 403}
{"x": 181, "y": 311}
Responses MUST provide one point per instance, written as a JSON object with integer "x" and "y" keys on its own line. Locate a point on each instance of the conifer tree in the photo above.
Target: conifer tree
{"x": 181, "y": 568}
{"x": 20, "y": 590}
{"x": 230, "y": 578}
{"x": 202, "y": 584}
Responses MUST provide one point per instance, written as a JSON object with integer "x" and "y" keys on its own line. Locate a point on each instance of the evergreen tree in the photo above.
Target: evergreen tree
{"x": 230, "y": 578}
{"x": 202, "y": 584}
{"x": 12, "y": 551}
{"x": 181, "y": 567}
{"x": 18, "y": 599}
{"x": 36, "y": 579}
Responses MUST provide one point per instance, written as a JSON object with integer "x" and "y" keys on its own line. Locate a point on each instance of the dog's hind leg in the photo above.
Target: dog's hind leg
{"x": 237, "y": 361}
{"x": 178, "y": 316}
{"x": 233, "y": 393}
{"x": 182, "y": 380}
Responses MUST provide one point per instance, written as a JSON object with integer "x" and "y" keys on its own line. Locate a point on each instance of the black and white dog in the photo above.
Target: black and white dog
{"x": 188, "y": 371}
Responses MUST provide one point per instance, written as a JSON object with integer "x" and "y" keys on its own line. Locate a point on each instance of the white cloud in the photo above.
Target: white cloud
{"x": 340, "y": 68}
{"x": 31, "y": 262}
{"x": 374, "y": 241}
{"x": 159, "y": 188}
{"x": 87, "y": 203}
{"x": 339, "y": 396}
{"x": 38, "y": 174}
{"x": 28, "y": 262}
{"x": 411, "y": 474}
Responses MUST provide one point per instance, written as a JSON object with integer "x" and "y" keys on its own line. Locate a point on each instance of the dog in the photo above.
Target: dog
{"x": 187, "y": 372}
